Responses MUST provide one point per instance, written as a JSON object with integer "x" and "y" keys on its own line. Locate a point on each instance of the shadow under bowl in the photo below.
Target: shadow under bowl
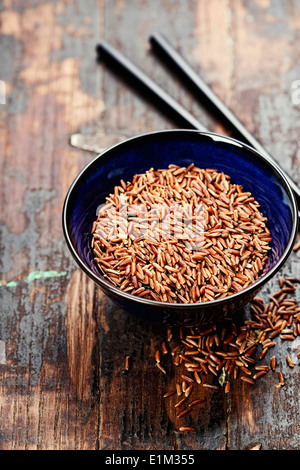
{"x": 263, "y": 178}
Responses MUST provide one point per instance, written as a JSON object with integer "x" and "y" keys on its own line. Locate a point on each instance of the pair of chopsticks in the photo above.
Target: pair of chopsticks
{"x": 145, "y": 84}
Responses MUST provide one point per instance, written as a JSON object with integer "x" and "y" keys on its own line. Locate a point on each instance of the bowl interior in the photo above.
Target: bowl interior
{"x": 160, "y": 149}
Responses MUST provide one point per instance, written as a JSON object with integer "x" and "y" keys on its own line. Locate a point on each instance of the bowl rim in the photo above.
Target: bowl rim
{"x": 257, "y": 285}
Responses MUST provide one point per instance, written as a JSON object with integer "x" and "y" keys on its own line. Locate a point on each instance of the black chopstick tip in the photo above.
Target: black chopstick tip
{"x": 99, "y": 47}
{"x": 156, "y": 38}
{"x": 98, "y": 50}
{"x": 102, "y": 50}
{"x": 153, "y": 36}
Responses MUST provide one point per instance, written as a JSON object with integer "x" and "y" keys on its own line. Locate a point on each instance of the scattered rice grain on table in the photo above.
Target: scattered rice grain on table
{"x": 222, "y": 352}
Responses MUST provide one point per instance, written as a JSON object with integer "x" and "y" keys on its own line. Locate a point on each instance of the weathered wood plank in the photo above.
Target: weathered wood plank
{"x": 52, "y": 91}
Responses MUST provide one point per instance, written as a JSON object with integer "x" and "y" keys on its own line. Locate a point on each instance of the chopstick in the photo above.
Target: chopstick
{"x": 138, "y": 78}
{"x": 145, "y": 84}
{"x": 160, "y": 44}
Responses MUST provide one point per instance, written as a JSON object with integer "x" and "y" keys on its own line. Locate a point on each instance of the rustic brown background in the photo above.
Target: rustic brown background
{"x": 62, "y": 342}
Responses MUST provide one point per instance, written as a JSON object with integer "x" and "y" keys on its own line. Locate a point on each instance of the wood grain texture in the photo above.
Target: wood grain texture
{"x": 63, "y": 343}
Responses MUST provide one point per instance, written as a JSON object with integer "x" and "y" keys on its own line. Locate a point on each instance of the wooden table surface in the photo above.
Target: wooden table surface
{"x": 62, "y": 342}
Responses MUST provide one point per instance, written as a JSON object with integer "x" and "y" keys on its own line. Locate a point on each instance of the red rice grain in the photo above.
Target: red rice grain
{"x": 145, "y": 249}
{"x": 228, "y": 351}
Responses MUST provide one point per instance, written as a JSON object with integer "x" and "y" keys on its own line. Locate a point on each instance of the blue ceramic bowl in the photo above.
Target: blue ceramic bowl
{"x": 247, "y": 167}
